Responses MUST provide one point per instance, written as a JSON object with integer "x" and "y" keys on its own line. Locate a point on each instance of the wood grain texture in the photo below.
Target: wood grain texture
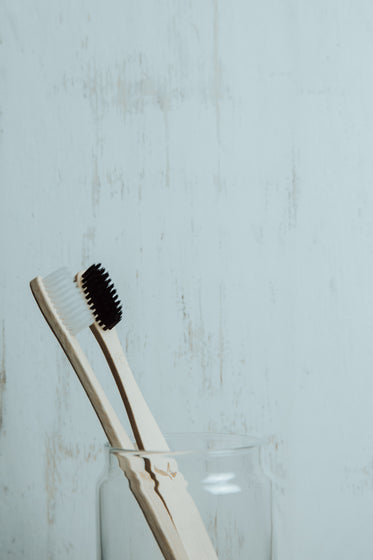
{"x": 217, "y": 157}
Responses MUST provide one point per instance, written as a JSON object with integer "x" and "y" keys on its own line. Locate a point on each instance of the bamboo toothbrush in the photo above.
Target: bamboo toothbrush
{"x": 65, "y": 310}
{"x": 104, "y": 303}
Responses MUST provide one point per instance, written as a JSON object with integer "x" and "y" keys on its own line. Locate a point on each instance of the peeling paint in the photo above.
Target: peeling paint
{"x": 114, "y": 178}
{"x": 201, "y": 347}
{"x": 96, "y": 185}
{"x": 115, "y": 86}
{"x": 293, "y": 196}
{"x": 219, "y": 181}
{"x": 52, "y": 478}
{"x": 217, "y": 69}
{"x": 140, "y": 185}
{"x": 358, "y": 479}
{"x": 272, "y": 457}
{"x": 163, "y": 105}
{"x": 183, "y": 306}
{"x": 56, "y": 451}
{"x": 221, "y": 334}
{"x": 2, "y": 374}
{"x": 63, "y": 387}
{"x": 216, "y": 95}
{"x": 121, "y": 93}
{"x": 87, "y": 245}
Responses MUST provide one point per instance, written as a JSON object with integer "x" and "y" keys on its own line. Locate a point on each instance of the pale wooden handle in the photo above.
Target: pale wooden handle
{"x": 153, "y": 507}
{"x": 110, "y": 422}
{"x": 171, "y": 486}
{"x": 141, "y": 482}
{"x": 146, "y": 430}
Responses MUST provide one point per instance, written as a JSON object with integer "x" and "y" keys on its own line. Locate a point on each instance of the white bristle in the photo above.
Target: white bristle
{"x": 68, "y": 300}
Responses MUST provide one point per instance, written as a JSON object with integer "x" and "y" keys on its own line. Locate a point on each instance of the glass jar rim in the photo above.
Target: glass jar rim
{"x": 237, "y": 444}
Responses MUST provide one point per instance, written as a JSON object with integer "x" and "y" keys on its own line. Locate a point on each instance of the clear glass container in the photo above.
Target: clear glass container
{"x": 227, "y": 483}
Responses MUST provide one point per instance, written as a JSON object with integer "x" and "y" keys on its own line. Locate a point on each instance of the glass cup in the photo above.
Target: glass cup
{"x": 227, "y": 483}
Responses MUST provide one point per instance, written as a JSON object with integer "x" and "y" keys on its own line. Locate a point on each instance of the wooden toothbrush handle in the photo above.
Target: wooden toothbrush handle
{"x": 110, "y": 422}
{"x": 146, "y": 430}
{"x": 171, "y": 485}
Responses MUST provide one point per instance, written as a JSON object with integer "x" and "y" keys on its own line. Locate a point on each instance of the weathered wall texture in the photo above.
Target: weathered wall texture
{"x": 217, "y": 157}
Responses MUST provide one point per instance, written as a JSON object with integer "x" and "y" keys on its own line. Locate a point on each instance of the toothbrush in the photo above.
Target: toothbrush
{"x": 63, "y": 307}
{"x": 103, "y": 301}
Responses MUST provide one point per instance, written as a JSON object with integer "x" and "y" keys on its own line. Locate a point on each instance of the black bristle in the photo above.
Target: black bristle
{"x": 101, "y": 296}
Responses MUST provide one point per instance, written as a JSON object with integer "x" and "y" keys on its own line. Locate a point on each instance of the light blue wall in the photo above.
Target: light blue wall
{"x": 217, "y": 157}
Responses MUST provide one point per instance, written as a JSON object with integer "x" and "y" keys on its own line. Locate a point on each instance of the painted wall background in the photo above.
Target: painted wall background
{"x": 217, "y": 158}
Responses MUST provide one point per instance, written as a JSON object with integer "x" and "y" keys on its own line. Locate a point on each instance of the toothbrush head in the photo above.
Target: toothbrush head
{"x": 68, "y": 300}
{"x": 101, "y": 296}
